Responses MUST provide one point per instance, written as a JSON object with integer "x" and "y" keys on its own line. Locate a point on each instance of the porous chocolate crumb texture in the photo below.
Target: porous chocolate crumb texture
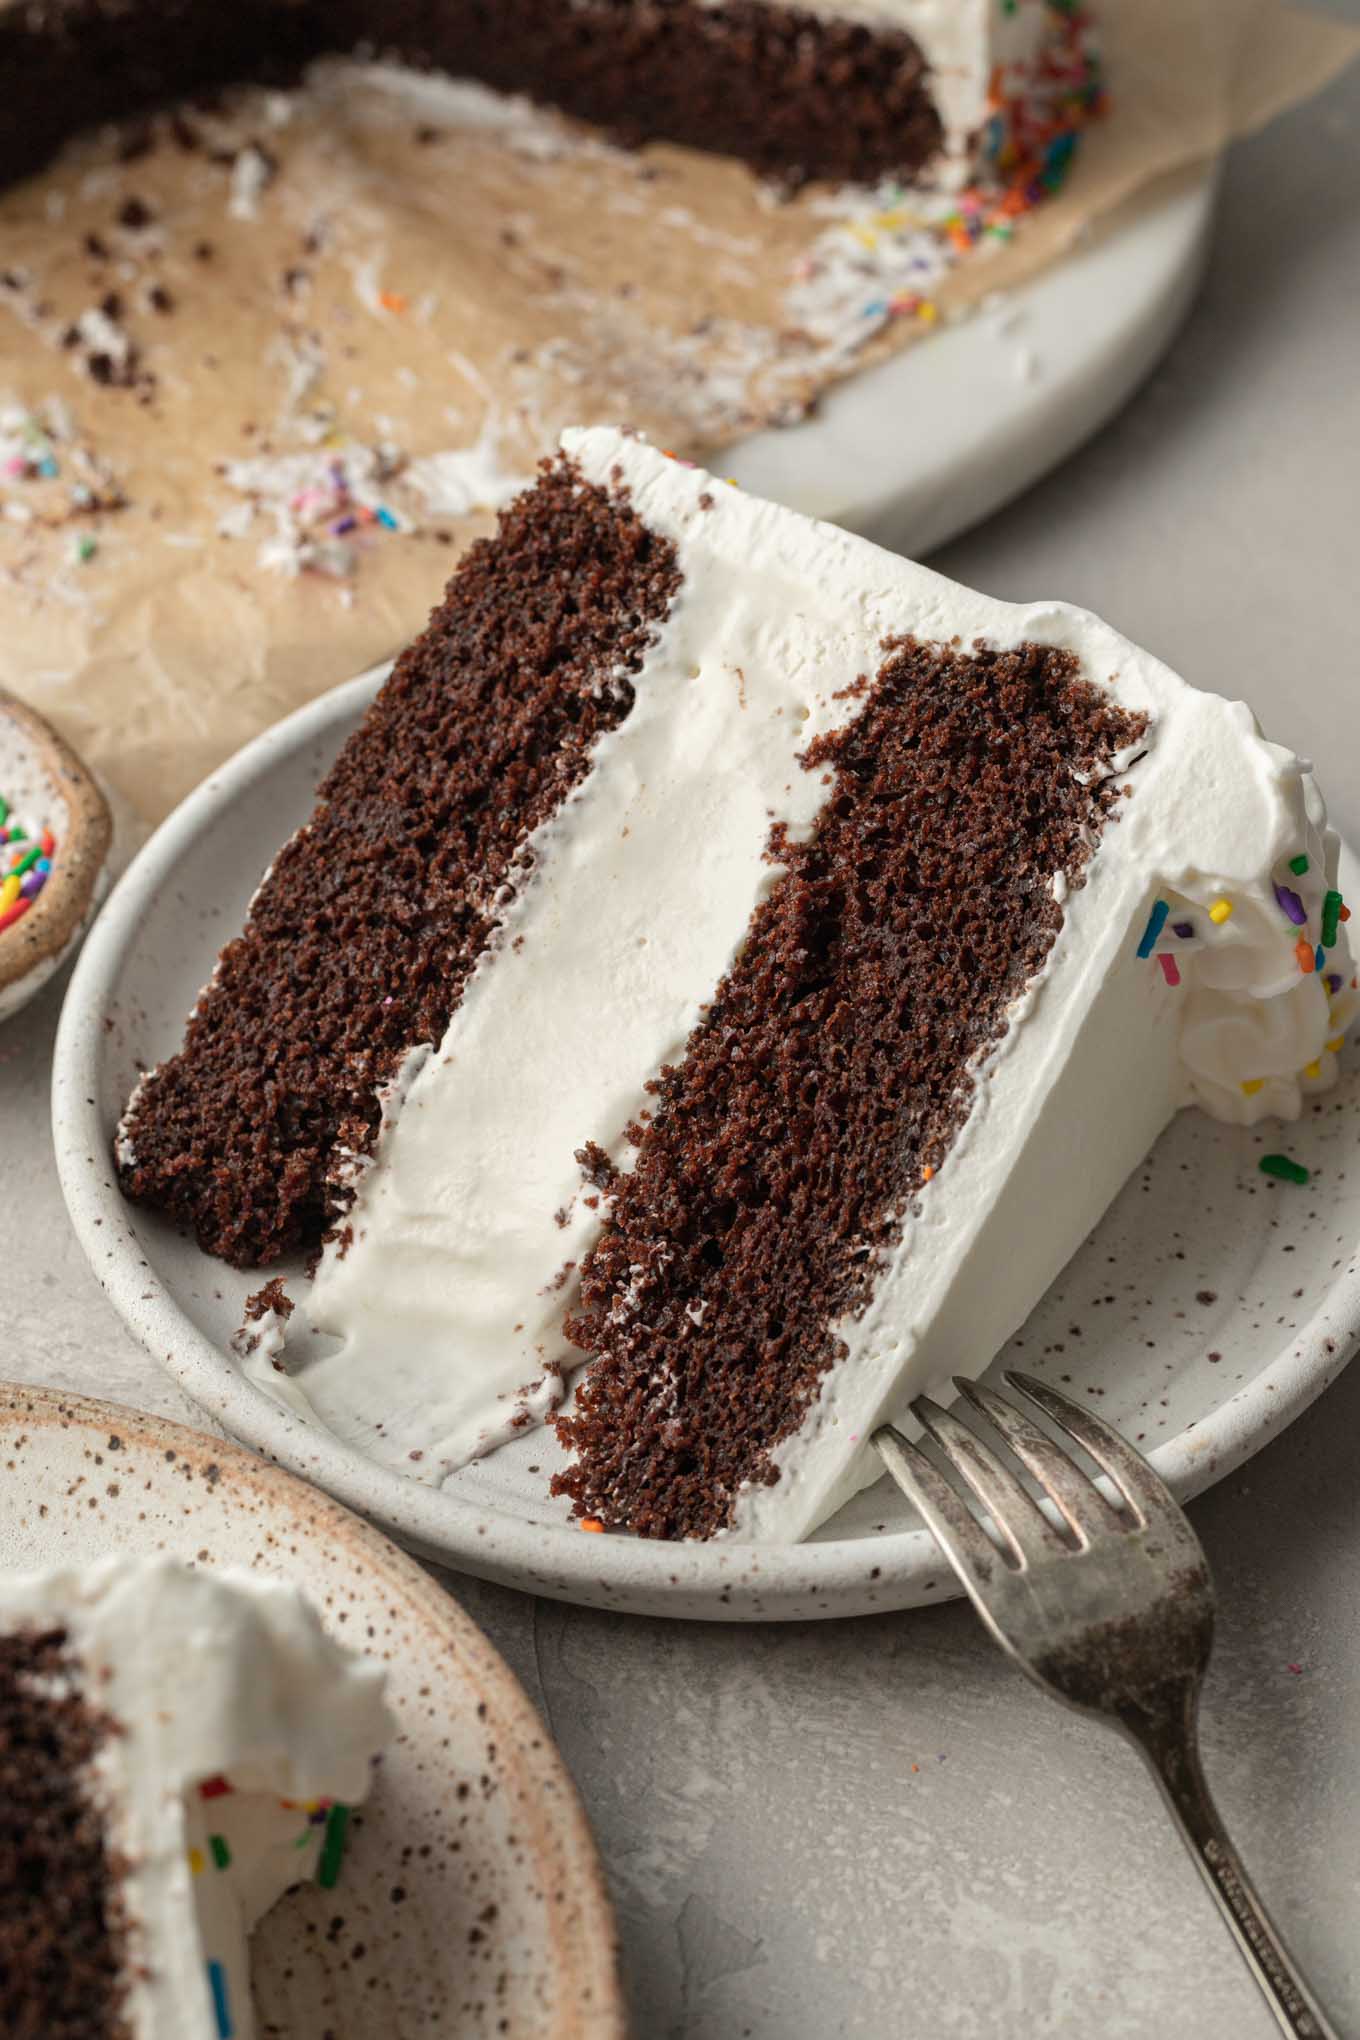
{"x": 60, "y": 1941}
{"x": 830, "y": 1072}
{"x": 373, "y": 916}
{"x": 792, "y": 92}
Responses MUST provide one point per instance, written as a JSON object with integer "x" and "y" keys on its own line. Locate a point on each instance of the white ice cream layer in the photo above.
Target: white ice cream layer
{"x": 472, "y": 1217}
{"x": 206, "y": 1676}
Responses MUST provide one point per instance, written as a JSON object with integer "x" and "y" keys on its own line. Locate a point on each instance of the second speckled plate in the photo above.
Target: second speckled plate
{"x": 1208, "y": 1308}
{"x": 470, "y": 1902}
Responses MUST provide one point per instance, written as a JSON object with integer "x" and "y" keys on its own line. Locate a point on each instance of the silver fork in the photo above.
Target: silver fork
{"x": 1115, "y": 1617}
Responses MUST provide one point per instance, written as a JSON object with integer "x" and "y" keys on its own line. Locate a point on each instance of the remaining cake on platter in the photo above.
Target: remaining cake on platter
{"x": 743, "y": 960}
{"x": 177, "y": 1749}
{"x": 844, "y": 89}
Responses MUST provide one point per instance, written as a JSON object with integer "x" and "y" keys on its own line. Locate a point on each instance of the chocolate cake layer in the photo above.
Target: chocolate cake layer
{"x": 798, "y": 95}
{"x": 60, "y": 1952}
{"x": 829, "y": 1076}
{"x": 69, "y": 65}
{"x": 373, "y": 916}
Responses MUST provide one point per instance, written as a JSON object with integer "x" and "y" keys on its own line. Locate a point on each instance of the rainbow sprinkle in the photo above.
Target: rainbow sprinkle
{"x": 1311, "y": 956}
{"x": 217, "y": 1983}
{"x": 25, "y": 865}
{"x": 1152, "y": 932}
{"x": 1281, "y": 1166}
{"x": 333, "y": 1847}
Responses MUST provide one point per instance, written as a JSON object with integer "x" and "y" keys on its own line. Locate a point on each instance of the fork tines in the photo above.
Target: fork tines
{"x": 1023, "y": 1529}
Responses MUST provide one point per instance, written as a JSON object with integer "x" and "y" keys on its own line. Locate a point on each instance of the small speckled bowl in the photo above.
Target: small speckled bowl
{"x": 47, "y": 787}
{"x": 470, "y": 1901}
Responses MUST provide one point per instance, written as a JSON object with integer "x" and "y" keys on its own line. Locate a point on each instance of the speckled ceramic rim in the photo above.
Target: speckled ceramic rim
{"x": 590, "y": 2001}
{"x": 720, "y": 1581}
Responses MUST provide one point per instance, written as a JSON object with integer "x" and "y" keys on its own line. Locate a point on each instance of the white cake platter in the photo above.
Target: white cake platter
{"x": 926, "y": 444}
{"x": 1208, "y": 1308}
{"x": 470, "y": 1901}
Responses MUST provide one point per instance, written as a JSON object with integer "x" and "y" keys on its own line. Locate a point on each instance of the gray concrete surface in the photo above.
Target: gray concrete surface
{"x": 875, "y": 1828}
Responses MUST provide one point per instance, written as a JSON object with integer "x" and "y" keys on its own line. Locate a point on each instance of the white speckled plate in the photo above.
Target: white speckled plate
{"x": 470, "y": 1901}
{"x": 1210, "y": 1306}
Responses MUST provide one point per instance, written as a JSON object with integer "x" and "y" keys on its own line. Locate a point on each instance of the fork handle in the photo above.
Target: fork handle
{"x": 1169, "y": 1741}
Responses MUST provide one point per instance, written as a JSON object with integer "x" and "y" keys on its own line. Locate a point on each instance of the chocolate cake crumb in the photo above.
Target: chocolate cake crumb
{"x": 596, "y": 1166}
{"x": 830, "y": 1074}
{"x": 273, "y": 1297}
{"x": 61, "y": 1956}
{"x": 372, "y": 918}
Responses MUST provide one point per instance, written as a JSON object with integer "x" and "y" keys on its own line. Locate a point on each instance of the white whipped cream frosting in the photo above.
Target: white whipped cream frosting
{"x": 472, "y": 1216}
{"x": 206, "y": 1675}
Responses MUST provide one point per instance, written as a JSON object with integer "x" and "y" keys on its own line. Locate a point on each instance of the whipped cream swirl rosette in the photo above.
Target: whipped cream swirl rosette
{"x": 1266, "y": 972}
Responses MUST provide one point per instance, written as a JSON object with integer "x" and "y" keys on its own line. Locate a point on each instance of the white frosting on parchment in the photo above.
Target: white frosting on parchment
{"x": 206, "y": 1675}
{"x": 472, "y": 1217}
